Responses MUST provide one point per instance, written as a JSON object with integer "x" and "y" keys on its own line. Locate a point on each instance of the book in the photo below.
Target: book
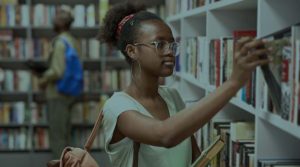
{"x": 209, "y": 153}
{"x": 272, "y": 72}
{"x": 37, "y": 66}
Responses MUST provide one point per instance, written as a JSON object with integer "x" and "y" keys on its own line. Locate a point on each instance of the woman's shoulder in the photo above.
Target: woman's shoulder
{"x": 119, "y": 101}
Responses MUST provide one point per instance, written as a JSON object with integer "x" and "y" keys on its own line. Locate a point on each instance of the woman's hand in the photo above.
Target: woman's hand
{"x": 248, "y": 55}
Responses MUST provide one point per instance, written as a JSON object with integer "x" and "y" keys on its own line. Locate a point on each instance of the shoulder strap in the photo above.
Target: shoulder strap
{"x": 136, "y": 147}
{"x": 92, "y": 136}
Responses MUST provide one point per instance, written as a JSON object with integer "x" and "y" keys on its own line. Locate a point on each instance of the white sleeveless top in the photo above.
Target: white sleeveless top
{"x": 121, "y": 153}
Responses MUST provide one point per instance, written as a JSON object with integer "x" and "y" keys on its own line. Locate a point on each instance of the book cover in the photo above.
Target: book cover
{"x": 210, "y": 152}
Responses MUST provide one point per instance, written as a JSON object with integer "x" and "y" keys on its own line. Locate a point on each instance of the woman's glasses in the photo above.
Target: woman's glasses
{"x": 162, "y": 47}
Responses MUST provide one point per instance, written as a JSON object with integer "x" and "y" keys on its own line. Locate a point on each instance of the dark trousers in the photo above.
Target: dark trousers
{"x": 59, "y": 112}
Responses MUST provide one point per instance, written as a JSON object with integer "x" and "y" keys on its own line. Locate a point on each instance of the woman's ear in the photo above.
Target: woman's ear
{"x": 131, "y": 51}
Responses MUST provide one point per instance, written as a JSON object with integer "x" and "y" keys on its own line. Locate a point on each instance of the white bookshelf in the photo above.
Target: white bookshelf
{"x": 274, "y": 137}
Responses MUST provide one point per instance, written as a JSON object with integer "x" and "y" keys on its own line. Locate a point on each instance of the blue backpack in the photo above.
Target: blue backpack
{"x": 72, "y": 81}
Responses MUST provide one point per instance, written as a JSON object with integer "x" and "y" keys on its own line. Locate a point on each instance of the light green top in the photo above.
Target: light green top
{"x": 121, "y": 153}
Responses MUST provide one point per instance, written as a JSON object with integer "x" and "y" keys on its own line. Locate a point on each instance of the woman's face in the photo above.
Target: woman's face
{"x": 154, "y": 48}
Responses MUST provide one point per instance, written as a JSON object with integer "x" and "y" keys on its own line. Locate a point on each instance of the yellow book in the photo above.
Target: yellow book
{"x": 209, "y": 153}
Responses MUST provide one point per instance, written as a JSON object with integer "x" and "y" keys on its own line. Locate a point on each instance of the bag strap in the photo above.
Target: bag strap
{"x": 93, "y": 134}
{"x": 136, "y": 148}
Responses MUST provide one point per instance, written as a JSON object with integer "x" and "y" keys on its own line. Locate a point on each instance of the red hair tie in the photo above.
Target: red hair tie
{"x": 122, "y": 22}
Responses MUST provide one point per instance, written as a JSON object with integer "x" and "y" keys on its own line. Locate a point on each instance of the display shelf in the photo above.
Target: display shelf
{"x": 221, "y": 19}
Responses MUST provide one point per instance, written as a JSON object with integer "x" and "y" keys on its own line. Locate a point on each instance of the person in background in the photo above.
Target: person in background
{"x": 147, "y": 113}
{"x": 58, "y": 105}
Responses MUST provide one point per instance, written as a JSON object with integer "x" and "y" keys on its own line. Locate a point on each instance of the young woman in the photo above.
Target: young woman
{"x": 145, "y": 112}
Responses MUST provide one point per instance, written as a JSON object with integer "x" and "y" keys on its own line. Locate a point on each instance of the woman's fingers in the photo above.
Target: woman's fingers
{"x": 259, "y": 63}
{"x": 241, "y": 42}
{"x": 257, "y": 55}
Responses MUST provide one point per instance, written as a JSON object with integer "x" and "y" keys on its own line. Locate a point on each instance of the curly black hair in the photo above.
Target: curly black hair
{"x": 108, "y": 31}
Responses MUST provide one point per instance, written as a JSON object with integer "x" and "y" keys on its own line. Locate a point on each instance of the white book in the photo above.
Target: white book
{"x": 90, "y": 15}
{"x": 38, "y": 15}
{"x": 12, "y": 15}
{"x": 94, "y": 49}
{"x": 19, "y": 108}
{"x": 9, "y": 80}
{"x": 297, "y": 86}
{"x": 25, "y": 15}
{"x": 79, "y": 16}
{"x": 242, "y": 131}
{"x": 24, "y": 81}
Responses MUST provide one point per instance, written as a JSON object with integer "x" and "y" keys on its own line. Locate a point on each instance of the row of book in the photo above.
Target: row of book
{"x": 238, "y": 138}
{"x": 280, "y": 87}
{"x": 39, "y": 48}
{"x": 278, "y": 91}
{"x": 227, "y": 143}
{"x": 20, "y": 139}
{"x": 14, "y": 139}
{"x": 22, "y": 81}
{"x": 41, "y": 15}
{"x": 18, "y": 113}
{"x": 219, "y": 55}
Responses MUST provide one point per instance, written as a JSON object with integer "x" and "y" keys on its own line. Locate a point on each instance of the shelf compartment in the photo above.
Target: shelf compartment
{"x": 233, "y": 5}
{"x": 174, "y": 18}
{"x": 280, "y": 123}
{"x": 193, "y": 80}
{"x": 195, "y": 13}
{"x": 243, "y": 105}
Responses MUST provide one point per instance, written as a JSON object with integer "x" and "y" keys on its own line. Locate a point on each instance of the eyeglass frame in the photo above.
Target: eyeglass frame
{"x": 164, "y": 50}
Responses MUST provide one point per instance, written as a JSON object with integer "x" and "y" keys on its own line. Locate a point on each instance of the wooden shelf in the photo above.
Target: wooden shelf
{"x": 144, "y": 2}
{"x": 40, "y": 97}
{"x": 111, "y": 62}
{"x": 12, "y": 151}
{"x": 69, "y": 2}
{"x": 14, "y": 125}
{"x": 86, "y": 32}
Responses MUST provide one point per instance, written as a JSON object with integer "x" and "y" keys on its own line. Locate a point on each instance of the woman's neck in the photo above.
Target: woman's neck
{"x": 143, "y": 88}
